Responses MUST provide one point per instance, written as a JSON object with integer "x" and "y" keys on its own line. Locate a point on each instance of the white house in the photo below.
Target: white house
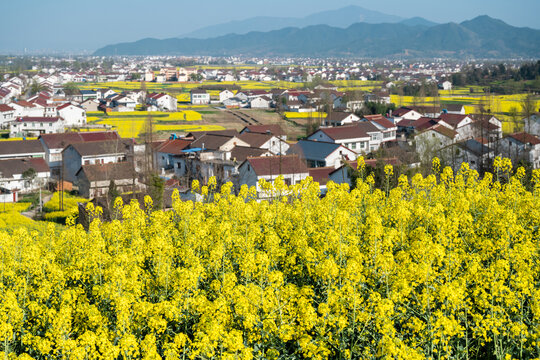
{"x": 12, "y": 173}
{"x": 261, "y": 102}
{"x": 25, "y": 108}
{"x": 338, "y": 118}
{"x": 200, "y": 97}
{"x": 265, "y": 141}
{"x": 35, "y": 126}
{"x": 224, "y": 95}
{"x": 532, "y": 124}
{"x": 462, "y": 124}
{"x": 387, "y": 127}
{"x": 361, "y": 137}
{"x": 73, "y": 115}
{"x": 455, "y": 109}
{"x": 164, "y": 102}
{"x": 405, "y": 113}
{"x": 446, "y": 85}
{"x": 90, "y": 105}
{"x": 7, "y": 114}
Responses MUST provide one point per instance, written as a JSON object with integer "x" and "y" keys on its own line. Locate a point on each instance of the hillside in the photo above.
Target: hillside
{"x": 482, "y": 37}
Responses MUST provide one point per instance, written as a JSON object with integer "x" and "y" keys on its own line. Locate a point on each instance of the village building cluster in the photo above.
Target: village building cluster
{"x": 89, "y": 160}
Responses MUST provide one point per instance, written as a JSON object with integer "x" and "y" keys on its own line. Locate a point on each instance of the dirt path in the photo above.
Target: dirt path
{"x": 31, "y": 214}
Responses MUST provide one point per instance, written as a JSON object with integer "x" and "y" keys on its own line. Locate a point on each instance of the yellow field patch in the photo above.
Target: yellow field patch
{"x": 304, "y": 115}
{"x": 134, "y": 127}
{"x": 18, "y": 138}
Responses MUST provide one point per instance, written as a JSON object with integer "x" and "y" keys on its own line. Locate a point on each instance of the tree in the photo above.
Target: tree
{"x": 36, "y": 87}
{"x": 514, "y": 116}
{"x": 71, "y": 88}
{"x": 113, "y": 191}
{"x": 527, "y": 109}
{"x": 195, "y": 77}
{"x": 29, "y": 176}
{"x": 157, "y": 187}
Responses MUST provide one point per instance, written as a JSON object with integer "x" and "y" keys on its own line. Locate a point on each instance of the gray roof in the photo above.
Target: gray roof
{"x": 100, "y": 147}
{"x": 21, "y": 147}
{"x": 474, "y": 147}
{"x": 313, "y": 150}
{"x": 211, "y": 142}
{"x": 112, "y": 171}
{"x": 11, "y": 167}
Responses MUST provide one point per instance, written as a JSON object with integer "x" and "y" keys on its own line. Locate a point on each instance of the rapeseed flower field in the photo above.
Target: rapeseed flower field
{"x": 443, "y": 266}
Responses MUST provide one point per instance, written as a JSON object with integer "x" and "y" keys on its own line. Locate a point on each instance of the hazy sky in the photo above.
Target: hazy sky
{"x": 74, "y": 25}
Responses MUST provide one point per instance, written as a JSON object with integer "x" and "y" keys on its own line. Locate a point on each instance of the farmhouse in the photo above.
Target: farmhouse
{"x": 200, "y": 97}
{"x": 35, "y": 126}
{"x": 94, "y": 180}
{"x": 93, "y": 152}
{"x": 290, "y": 167}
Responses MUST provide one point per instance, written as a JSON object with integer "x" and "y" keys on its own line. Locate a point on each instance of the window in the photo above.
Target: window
{"x": 353, "y": 146}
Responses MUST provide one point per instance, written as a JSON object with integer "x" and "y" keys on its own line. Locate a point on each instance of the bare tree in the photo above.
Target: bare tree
{"x": 527, "y": 109}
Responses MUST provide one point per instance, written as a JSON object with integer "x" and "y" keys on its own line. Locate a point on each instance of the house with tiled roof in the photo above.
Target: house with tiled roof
{"x": 458, "y": 109}
{"x": 19, "y": 149}
{"x": 167, "y": 154}
{"x": 12, "y": 173}
{"x": 471, "y": 151}
{"x": 93, "y": 152}
{"x": 252, "y": 170}
{"x": 273, "y": 129}
{"x": 362, "y": 137}
{"x": 5, "y": 95}
{"x": 521, "y": 146}
{"x": 24, "y": 108}
{"x": 339, "y": 118}
{"x": 94, "y": 180}
{"x": 53, "y": 144}
{"x": 405, "y": 113}
{"x": 7, "y": 114}
{"x": 265, "y": 141}
{"x": 429, "y": 141}
{"x": 261, "y": 102}
{"x": 34, "y": 126}
{"x": 387, "y": 127}
{"x": 73, "y": 115}
{"x": 532, "y": 124}
{"x": 321, "y": 154}
{"x": 162, "y": 101}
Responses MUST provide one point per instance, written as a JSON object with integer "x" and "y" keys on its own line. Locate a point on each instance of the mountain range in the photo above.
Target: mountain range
{"x": 481, "y": 37}
{"x": 341, "y": 18}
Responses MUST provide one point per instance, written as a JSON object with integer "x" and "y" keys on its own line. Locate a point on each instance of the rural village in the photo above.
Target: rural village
{"x": 319, "y": 124}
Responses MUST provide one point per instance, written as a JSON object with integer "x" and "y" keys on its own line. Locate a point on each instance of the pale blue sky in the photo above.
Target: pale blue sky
{"x": 75, "y": 25}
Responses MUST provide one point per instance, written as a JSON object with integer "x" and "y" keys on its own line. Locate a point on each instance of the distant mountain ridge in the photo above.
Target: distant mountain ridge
{"x": 341, "y": 18}
{"x": 481, "y": 37}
